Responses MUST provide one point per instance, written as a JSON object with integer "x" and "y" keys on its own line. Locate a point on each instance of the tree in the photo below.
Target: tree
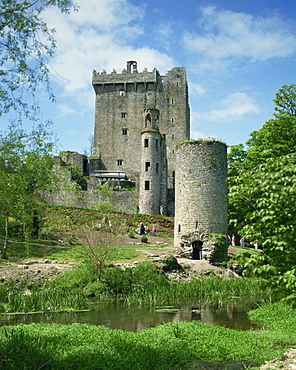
{"x": 268, "y": 194}
{"x": 277, "y": 136}
{"x": 25, "y": 169}
{"x": 262, "y": 195}
{"x": 26, "y": 44}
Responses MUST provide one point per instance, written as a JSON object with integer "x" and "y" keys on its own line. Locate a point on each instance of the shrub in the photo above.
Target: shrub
{"x": 131, "y": 234}
{"x": 148, "y": 275}
{"x": 117, "y": 280}
{"x": 144, "y": 239}
{"x": 220, "y": 253}
{"x": 170, "y": 263}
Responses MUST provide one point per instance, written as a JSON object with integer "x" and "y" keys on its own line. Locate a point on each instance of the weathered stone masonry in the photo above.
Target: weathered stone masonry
{"x": 201, "y": 191}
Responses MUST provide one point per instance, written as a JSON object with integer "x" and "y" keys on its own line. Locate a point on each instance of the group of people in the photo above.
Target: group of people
{"x": 242, "y": 242}
{"x": 144, "y": 228}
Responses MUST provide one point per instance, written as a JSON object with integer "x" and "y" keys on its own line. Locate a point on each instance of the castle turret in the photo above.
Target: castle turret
{"x": 201, "y": 191}
{"x": 151, "y": 163}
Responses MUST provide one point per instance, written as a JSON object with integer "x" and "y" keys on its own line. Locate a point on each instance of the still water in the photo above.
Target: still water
{"x": 138, "y": 318}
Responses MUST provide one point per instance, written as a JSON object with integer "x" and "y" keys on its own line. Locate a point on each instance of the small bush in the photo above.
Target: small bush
{"x": 94, "y": 288}
{"x": 117, "y": 280}
{"x": 131, "y": 234}
{"x": 170, "y": 263}
{"x": 144, "y": 239}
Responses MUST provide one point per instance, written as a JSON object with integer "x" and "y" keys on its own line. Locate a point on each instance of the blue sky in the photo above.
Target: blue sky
{"x": 237, "y": 55}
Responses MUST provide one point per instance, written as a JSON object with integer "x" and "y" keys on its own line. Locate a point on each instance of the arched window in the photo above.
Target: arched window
{"x": 148, "y": 120}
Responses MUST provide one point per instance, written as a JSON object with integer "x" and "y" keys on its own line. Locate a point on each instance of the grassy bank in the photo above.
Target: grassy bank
{"x": 145, "y": 284}
{"x": 168, "y": 346}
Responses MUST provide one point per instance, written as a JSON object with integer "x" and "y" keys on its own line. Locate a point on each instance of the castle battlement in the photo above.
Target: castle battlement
{"x": 128, "y": 75}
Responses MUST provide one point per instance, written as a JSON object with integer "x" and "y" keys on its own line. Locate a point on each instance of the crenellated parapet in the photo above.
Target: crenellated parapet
{"x": 130, "y": 75}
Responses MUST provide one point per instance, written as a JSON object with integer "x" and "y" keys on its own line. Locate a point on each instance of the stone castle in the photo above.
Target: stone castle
{"x": 139, "y": 118}
{"x": 142, "y": 137}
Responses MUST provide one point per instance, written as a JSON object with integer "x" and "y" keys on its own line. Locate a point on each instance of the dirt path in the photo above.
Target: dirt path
{"x": 156, "y": 248}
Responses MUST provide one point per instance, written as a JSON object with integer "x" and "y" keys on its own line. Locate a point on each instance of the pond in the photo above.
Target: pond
{"x": 131, "y": 318}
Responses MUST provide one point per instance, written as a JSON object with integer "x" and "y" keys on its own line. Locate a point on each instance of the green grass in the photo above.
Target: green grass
{"x": 169, "y": 346}
{"x": 19, "y": 250}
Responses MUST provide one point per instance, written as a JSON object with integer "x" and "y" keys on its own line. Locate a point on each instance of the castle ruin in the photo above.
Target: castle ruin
{"x": 141, "y": 136}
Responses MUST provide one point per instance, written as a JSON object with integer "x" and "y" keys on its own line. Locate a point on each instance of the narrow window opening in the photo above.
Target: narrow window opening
{"x": 147, "y": 166}
{"x": 196, "y": 225}
{"x": 119, "y": 162}
{"x": 173, "y": 174}
{"x": 146, "y": 143}
{"x": 124, "y": 131}
{"x": 123, "y": 114}
{"x": 157, "y": 168}
{"x": 179, "y": 228}
{"x": 121, "y": 93}
{"x": 147, "y": 185}
{"x": 173, "y": 101}
{"x": 172, "y": 120}
{"x": 148, "y": 120}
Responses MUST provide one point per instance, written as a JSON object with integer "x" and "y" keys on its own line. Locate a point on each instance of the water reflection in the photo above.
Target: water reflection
{"x": 136, "y": 319}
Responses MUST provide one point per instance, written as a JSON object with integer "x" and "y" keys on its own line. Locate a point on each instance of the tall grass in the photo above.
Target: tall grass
{"x": 207, "y": 291}
{"x": 42, "y": 300}
{"x": 169, "y": 346}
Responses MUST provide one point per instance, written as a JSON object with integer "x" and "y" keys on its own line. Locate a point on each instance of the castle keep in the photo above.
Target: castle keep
{"x": 139, "y": 118}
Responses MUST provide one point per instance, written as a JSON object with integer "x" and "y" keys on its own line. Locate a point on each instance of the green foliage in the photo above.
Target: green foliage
{"x": 125, "y": 185}
{"x": 79, "y": 277}
{"x": 262, "y": 190}
{"x": 26, "y": 45}
{"x": 269, "y": 196}
{"x": 77, "y": 176}
{"x": 131, "y": 233}
{"x": 149, "y": 276}
{"x": 220, "y": 252}
{"x": 72, "y": 240}
{"x": 170, "y": 263}
{"x": 277, "y": 316}
{"x": 25, "y": 170}
{"x": 106, "y": 190}
{"x": 144, "y": 239}
{"x": 118, "y": 280}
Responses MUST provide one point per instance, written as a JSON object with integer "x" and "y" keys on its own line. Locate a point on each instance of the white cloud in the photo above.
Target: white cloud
{"x": 163, "y": 34}
{"x": 196, "y": 89}
{"x": 232, "y": 107}
{"x": 226, "y": 36}
{"x": 198, "y": 135}
{"x": 98, "y": 36}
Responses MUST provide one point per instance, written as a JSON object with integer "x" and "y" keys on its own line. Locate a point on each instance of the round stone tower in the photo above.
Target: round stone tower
{"x": 151, "y": 163}
{"x": 200, "y": 192}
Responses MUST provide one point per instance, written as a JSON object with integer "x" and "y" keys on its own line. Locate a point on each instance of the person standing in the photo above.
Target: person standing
{"x": 142, "y": 228}
{"x": 161, "y": 210}
{"x": 233, "y": 240}
{"x": 242, "y": 241}
{"x": 153, "y": 231}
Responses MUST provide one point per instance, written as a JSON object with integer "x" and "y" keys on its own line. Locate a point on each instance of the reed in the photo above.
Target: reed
{"x": 44, "y": 300}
